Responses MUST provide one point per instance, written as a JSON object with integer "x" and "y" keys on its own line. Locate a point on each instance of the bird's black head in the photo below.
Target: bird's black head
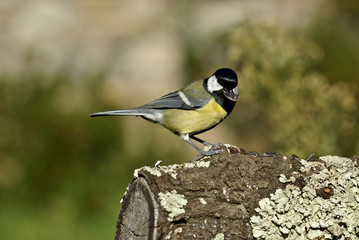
{"x": 224, "y": 82}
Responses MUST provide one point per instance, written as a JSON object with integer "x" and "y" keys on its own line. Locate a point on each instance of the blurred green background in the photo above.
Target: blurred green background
{"x": 62, "y": 174}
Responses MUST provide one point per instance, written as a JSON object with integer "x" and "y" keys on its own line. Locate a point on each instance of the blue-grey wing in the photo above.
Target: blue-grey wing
{"x": 176, "y": 100}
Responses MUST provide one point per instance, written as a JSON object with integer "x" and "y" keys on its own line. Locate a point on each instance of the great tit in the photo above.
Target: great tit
{"x": 194, "y": 109}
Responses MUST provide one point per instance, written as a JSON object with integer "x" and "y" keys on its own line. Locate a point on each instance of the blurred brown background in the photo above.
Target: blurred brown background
{"x": 62, "y": 174}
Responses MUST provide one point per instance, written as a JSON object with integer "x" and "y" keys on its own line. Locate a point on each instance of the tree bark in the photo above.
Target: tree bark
{"x": 220, "y": 197}
{"x": 216, "y": 198}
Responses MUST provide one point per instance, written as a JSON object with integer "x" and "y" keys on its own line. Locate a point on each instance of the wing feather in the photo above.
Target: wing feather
{"x": 174, "y": 100}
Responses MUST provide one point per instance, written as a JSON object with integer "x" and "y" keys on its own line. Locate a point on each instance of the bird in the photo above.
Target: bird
{"x": 194, "y": 109}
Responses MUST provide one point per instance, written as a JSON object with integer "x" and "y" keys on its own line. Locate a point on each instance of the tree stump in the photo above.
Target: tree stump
{"x": 241, "y": 196}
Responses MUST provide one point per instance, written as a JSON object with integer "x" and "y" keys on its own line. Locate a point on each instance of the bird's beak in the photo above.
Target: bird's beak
{"x": 231, "y": 94}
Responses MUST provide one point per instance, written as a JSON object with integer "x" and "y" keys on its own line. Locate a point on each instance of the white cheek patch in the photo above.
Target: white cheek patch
{"x": 213, "y": 84}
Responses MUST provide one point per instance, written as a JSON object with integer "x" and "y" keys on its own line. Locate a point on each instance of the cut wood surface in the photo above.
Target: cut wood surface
{"x": 227, "y": 196}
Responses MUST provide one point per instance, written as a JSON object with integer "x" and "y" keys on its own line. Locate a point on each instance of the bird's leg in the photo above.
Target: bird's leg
{"x": 201, "y": 141}
{"x": 210, "y": 152}
{"x": 186, "y": 138}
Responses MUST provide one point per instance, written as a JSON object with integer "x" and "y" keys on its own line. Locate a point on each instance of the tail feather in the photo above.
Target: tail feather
{"x": 125, "y": 112}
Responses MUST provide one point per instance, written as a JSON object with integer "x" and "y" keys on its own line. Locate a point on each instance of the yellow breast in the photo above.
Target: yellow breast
{"x": 193, "y": 121}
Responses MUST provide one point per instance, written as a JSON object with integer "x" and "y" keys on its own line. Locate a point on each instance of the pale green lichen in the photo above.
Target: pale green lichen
{"x": 153, "y": 170}
{"x": 173, "y": 203}
{"x": 204, "y": 202}
{"x": 198, "y": 164}
{"x": 202, "y": 164}
{"x": 219, "y": 236}
{"x": 171, "y": 169}
{"x": 295, "y": 213}
{"x": 283, "y": 178}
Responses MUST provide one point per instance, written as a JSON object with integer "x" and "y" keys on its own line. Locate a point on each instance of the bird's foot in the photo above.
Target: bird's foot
{"x": 222, "y": 148}
{"x": 214, "y": 149}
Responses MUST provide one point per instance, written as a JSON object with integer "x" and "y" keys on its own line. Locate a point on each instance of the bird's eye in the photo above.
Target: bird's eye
{"x": 221, "y": 82}
{"x": 227, "y": 84}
